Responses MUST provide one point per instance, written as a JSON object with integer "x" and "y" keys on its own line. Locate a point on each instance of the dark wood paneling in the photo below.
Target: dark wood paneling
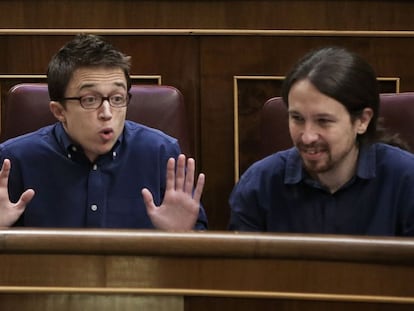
{"x": 241, "y": 14}
{"x": 246, "y": 304}
{"x": 81, "y": 269}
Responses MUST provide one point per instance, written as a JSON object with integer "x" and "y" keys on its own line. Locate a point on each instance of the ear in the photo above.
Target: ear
{"x": 58, "y": 111}
{"x": 364, "y": 120}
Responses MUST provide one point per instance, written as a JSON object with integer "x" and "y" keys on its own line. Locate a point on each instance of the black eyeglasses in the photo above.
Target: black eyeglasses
{"x": 96, "y": 101}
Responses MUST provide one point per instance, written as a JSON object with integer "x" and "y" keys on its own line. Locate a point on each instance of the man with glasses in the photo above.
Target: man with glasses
{"x": 93, "y": 168}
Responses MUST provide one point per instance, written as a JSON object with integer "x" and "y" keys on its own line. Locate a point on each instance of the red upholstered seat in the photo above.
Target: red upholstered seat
{"x": 397, "y": 112}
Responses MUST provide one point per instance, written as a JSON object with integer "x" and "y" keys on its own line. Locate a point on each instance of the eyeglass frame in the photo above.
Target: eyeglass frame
{"x": 103, "y": 98}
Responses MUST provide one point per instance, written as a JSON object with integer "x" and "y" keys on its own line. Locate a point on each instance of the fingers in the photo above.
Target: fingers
{"x": 6, "y": 165}
{"x": 189, "y": 181}
{"x": 4, "y": 173}
{"x": 170, "y": 174}
{"x": 176, "y": 176}
{"x": 182, "y": 177}
{"x": 189, "y": 178}
{"x": 180, "y": 173}
{"x": 148, "y": 200}
{"x": 198, "y": 191}
{"x": 25, "y": 198}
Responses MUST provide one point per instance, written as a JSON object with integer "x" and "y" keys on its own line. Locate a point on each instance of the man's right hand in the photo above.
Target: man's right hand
{"x": 10, "y": 212}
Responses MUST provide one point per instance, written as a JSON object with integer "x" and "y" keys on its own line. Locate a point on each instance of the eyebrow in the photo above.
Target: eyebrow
{"x": 326, "y": 115}
{"x": 318, "y": 115}
{"x": 90, "y": 85}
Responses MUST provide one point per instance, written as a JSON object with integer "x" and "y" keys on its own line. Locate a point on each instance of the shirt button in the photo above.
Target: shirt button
{"x": 94, "y": 207}
{"x": 95, "y": 167}
{"x": 74, "y": 148}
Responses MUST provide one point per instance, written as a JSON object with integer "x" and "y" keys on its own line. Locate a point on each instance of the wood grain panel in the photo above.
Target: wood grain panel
{"x": 218, "y": 14}
{"x": 89, "y": 302}
{"x": 202, "y": 271}
{"x": 232, "y": 304}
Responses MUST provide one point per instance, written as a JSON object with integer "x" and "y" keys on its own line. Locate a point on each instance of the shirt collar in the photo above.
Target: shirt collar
{"x": 62, "y": 137}
{"x": 293, "y": 172}
{"x": 365, "y": 168}
{"x": 367, "y": 162}
{"x": 70, "y": 147}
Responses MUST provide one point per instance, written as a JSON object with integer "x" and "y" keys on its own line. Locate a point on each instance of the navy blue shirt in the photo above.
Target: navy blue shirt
{"x": 70, "y": 191}
{"x": 276, "y": 195}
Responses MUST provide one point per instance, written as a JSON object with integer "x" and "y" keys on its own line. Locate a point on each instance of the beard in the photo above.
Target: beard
{"x": 317, "y": 167}
{"x": 316, "y": 157}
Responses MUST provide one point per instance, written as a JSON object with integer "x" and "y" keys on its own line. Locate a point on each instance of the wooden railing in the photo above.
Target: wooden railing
{"x": 152, "y": 270}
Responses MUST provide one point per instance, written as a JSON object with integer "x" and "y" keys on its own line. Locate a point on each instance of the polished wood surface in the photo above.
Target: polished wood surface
{"x": 201, "y": 46}
{"x": 208, "y": 244}
{"x": 218, "y": 14}
{"x": 189, "y": 271}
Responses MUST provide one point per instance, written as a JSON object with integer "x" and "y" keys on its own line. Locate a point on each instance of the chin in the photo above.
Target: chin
{"x": 317, "y": 168}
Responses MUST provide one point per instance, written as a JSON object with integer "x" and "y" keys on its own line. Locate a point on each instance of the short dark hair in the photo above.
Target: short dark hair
{"x": 343, "y": 76}
{"x": 85, "y": 50}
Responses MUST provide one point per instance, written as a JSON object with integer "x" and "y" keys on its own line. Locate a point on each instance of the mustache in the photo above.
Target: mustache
{"x": 318, "y": 146}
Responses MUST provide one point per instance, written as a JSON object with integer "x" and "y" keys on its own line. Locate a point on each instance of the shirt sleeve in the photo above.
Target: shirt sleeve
{"x": 246, "y": 213}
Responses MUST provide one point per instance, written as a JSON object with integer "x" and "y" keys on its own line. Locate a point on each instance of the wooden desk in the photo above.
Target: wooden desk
{"x": 152, "y": 270}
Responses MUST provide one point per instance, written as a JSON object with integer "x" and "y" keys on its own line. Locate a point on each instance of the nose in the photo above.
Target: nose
{"x": 309, "y": 134}
{"x": 105, "y": 111}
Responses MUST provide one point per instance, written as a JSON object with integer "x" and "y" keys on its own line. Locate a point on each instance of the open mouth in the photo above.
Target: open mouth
{"x": 106, "y": 134}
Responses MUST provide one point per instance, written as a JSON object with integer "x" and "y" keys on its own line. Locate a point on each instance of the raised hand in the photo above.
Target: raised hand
{"x": 181, "y": 205}
{"x": 10, "y": 212}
